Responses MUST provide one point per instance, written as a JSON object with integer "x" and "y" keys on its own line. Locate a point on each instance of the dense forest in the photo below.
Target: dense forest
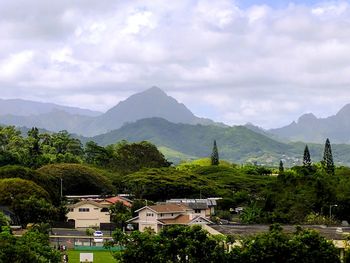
{"x": 37, "y": 171}
{"x": 33, "y": 167}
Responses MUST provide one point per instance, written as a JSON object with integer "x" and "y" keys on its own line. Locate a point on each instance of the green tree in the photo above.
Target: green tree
{"x": 215, "y": 155}
{"x": 4, "y": 221}
{"x": 328, "y": 158}
{"x": 306, "y": 157}
{"x": 251, "y": 214}
{"x": 173, "y": 244}
{"x": 13, "y": 148}
{"x": 97, "y": 155}
{"x": 15, "y": 189}
{"x": 79, "y": 179}
{"x": 120, "y": 214}
{"x": 47, "y": 182}
{"x": 131, "y": 157}
{"x": 34, "y": 210}
{"x": 281, "y": 168}
{"x": 33, "y": 246}
{"x": 305, "y": 246}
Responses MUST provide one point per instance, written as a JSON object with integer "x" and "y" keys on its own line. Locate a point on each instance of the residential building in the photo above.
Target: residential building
{"x": 204, "y": 207}
{"x": 155, "y": 217}
{"x": 115, "y": 199}
{"x": 88, "y": 213}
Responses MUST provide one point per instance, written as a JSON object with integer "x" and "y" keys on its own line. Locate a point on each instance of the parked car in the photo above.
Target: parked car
{"x": 98, "y": 233}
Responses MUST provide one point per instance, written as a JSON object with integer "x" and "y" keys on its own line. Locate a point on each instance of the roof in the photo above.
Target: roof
{"x": 116, "y": 199}
{"x": 335, "y": 233}
{"x": 193, "y": 221}
{"x": 167, "y": 208}
{"x": 179, "y": 220}
{"x": 209, "y": 201}
{"x": 200, "y": 206}
{"x": 84, "y": 202}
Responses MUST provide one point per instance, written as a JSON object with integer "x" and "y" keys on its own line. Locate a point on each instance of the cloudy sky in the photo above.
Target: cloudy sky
{"x": 265, "y": 62}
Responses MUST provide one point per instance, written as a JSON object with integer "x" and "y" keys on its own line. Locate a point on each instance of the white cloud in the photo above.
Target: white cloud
{"x": 258, "y": 64}
{"x": 12, "y": 66}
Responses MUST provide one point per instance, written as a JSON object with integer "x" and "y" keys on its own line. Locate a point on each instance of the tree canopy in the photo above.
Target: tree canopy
{"x": 194, "y": 245}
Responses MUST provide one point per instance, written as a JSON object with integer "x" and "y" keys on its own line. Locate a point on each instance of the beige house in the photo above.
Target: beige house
{"x": 88, "y": 213}
{"x": 157, "y": 216}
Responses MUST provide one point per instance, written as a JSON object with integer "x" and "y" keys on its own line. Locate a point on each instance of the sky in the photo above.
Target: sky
{"x": 264, "y": 62}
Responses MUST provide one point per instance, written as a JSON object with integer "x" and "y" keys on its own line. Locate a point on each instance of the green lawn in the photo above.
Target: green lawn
{"x": 99, "y": 256}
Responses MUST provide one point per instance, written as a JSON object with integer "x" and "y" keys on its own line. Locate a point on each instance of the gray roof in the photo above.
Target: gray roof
{"x": 201, "y": 206}
{"x": 209, "y": 201}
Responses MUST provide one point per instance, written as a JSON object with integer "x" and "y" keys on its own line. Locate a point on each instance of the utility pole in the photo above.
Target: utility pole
{"x": 61, "y": 188}
{"x": 330, "y": 210}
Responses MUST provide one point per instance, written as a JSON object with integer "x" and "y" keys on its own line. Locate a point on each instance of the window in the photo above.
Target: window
{"x": 71, "y": 209}
{"x": 161, "y": 215}
{"x": 149, "y": 214}
{"x": 84, "y": 209}
{"x": 105, "y": 209}
{"x": 197, "y": 211}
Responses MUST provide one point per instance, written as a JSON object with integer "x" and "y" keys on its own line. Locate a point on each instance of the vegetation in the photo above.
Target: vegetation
{"x": 237, "y": 144}
{"x": 279, "y": 247}
{"x": 193, "y": 244}
{"x": 33, "y": 246}
{"x": 328, "y": 158}
{"x": 33, "y": 168}
{"x": 306, "y": 157}
{"x": 215, "y": 155}
{"x": 281, "y": 167}
{"x": 79, "y": 179}
{"x": 125, "y": 157}
{"x": 140, "y": 169}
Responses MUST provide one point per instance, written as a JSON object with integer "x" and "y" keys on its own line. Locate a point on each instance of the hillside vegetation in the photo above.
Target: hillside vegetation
{"x": 236, "y": 144}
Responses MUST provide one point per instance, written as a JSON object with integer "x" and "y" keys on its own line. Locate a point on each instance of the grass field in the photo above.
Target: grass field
{"x": 99, "y": 256}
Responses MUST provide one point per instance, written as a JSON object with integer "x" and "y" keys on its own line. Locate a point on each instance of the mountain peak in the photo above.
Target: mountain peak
{"x": 155, "y": 90}
{"x": 344, "y": 111}
{"x": 307, "y": 118}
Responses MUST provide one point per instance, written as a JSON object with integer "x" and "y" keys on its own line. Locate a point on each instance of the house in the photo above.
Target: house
{"x": 157, "y": 216}
{"x": 115, "y": 199}
{"x": 205, "y": 207}
{"x": 88, "y": 213}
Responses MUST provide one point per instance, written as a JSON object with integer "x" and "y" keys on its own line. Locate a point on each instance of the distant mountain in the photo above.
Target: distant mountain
{"x": 19, "y": 107}
{"x": 54, "y": 121}
{"x": 262, "y": 131}
{"x": 152, "y": 102}
{"x": 237, "y": 144}
{"x": 309, "y": 128}
{"x": 147, "y": 104}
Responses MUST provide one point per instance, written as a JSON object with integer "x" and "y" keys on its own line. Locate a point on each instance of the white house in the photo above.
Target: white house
{"x": 157, "y": 216}
{"x": 88, "y": 213}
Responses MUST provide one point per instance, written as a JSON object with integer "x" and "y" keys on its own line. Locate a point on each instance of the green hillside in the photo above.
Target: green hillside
{"x": 236, "y": 144}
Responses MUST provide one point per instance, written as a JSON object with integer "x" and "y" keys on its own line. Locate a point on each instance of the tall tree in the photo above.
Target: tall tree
{"x": 215, "y": 155}
{"x": 306, "y": 157}
{"x": 281, "y": 168}
{"x": 328, "y": 158}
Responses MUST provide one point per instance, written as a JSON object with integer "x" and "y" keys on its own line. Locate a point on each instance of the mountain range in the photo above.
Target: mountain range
{"x": 154, "y": 116}
{"x": 237, "y": 144}
{"x": 19, "y": 107}
{"x": 309, "y": 128}
{"x": 150, "y": 103}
